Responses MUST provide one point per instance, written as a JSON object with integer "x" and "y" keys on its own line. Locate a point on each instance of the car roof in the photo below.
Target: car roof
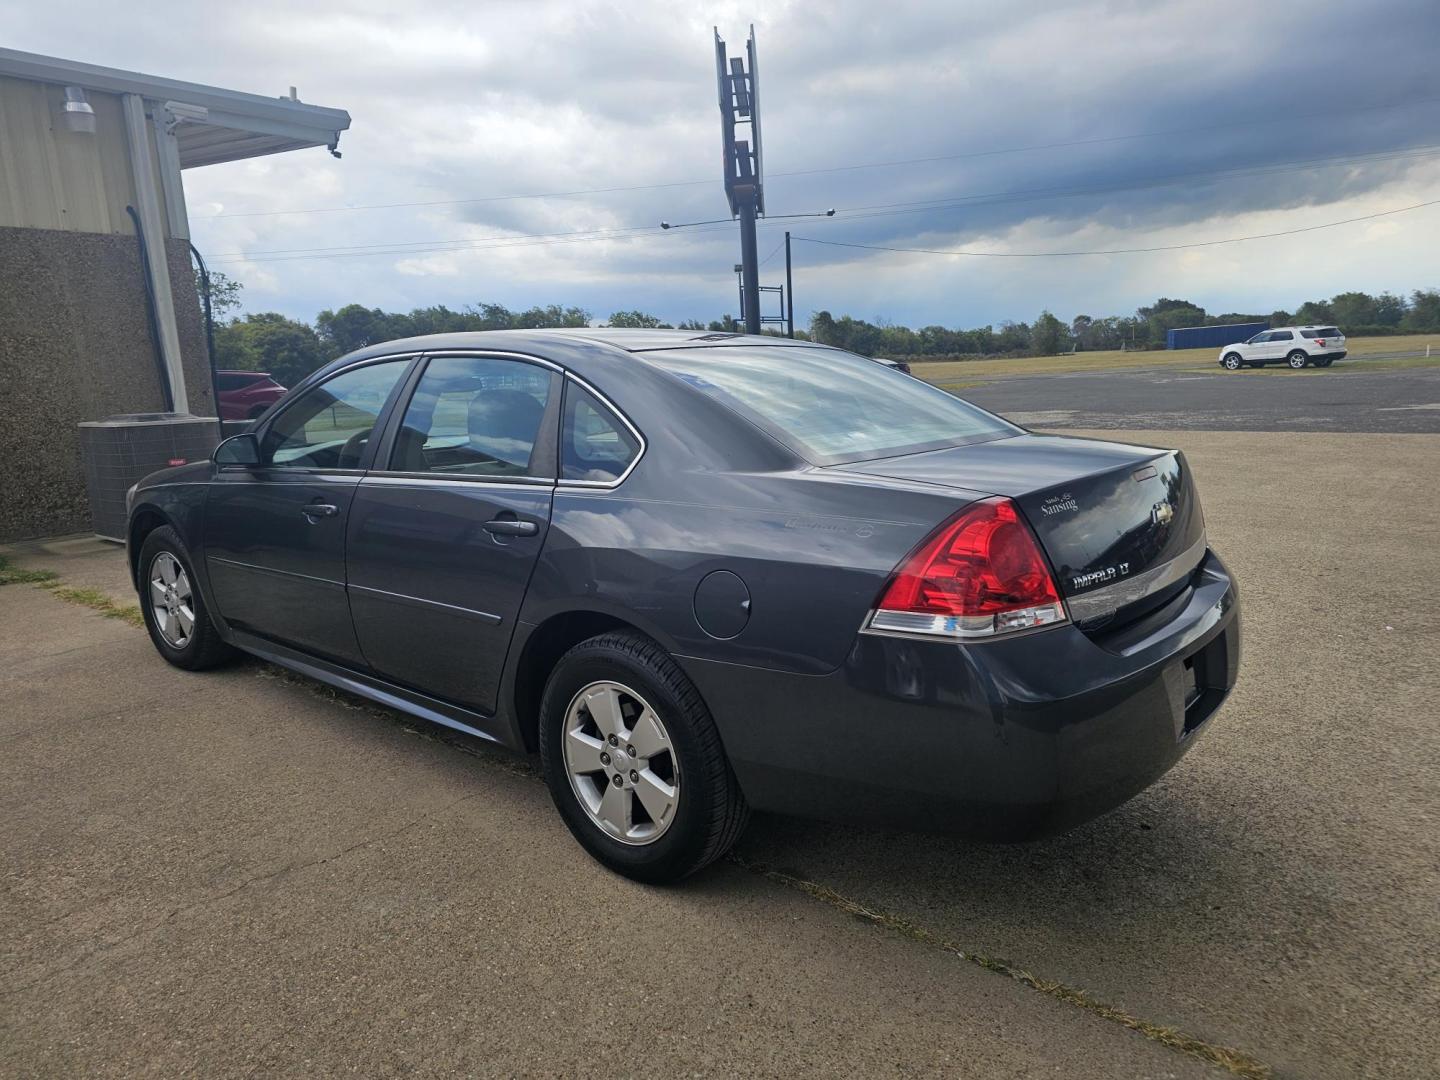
{"x": 644, "y": 340}
{"x": 630, "y": 340}
{"x": 588, "y": 339}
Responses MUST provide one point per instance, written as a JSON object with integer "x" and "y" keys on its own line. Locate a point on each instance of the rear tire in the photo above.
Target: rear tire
{"x": 631, "y": 681}
{"x": 174, "y": 610}
{"x": 1231, "y": 362}
{"x": 1297, "y": 359}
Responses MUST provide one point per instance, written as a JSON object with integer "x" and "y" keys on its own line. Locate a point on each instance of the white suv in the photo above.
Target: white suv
{"x": 1294, "y": 345}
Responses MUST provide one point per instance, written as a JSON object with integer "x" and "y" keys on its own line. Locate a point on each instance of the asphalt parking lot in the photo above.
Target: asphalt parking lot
{"x": 1346, "y": 397}
{"x": 240, "y": 872}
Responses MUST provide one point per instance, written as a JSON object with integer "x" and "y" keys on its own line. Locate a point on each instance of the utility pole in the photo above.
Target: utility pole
{"x": 744, "y": 163}
{"x": 750, "y": 275}
{"x": 789, "y": 290}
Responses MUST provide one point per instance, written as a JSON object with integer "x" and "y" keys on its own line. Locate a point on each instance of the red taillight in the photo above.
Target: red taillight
{"x": 1320, "y": 341}
{"x": 980, "y": 573}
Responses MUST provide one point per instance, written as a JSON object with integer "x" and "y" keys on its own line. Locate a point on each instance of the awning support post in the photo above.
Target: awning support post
{"x": 152, "y": 221}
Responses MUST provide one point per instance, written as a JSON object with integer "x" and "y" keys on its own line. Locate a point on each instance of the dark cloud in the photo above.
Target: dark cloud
{"x": 460, "y": 101}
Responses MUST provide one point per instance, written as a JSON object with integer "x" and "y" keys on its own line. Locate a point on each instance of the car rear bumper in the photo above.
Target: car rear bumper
{"x": 1004, "y": 740}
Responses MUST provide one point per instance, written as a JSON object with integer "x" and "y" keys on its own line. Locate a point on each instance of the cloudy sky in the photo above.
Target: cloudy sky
{"x": 1006, "y": 128}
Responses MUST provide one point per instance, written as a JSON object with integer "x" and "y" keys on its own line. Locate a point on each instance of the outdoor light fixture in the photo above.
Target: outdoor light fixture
{"x": 79, "y": 114}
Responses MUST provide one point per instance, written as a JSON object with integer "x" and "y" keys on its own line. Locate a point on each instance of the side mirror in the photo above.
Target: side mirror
{"x": 242, "y": 449}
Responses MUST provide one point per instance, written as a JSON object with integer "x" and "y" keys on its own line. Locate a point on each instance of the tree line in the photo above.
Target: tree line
{"x": 291, "y": 348}
{"x": 1358, "y": 314}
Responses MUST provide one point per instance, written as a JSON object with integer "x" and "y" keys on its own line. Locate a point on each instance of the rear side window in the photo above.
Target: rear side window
{"x": 595, "y": 444}
{"x": 831, "y": 407}
{"x": 474, "y": 416}
{"x": 1323, "y": 332}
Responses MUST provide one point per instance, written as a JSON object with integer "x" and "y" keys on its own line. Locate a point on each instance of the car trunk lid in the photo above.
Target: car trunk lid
{"x": 1121, "y": 524}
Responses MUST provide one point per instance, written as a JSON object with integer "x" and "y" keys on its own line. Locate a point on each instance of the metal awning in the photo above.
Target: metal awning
{"x": 211, "y": 124}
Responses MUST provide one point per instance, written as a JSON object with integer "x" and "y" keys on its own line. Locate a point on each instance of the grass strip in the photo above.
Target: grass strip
{"x": 13, "y": 575}
{"x": 96, "y": 601}
{"x": 1235, "y": 1061}
{"x": 93, "y": 599}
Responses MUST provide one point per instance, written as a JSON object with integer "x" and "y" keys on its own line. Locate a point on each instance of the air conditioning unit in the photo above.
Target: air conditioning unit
{"x": 119, "y": 450}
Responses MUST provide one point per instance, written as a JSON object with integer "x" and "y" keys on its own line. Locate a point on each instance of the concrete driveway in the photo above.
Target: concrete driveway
{"x": 241, "y": 872}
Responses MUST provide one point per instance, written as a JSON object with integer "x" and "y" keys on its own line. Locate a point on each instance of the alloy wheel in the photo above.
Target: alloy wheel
{"x": 171, "y": 600}
{"x": 621, "y": 762}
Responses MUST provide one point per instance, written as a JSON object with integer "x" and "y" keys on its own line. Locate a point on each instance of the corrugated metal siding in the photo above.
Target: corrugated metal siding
{"x": 52, "y": 178}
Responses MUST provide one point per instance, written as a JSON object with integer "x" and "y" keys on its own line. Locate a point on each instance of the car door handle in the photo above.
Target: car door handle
{"x": 319, "y": 510}
{"x": 511, "y": 527}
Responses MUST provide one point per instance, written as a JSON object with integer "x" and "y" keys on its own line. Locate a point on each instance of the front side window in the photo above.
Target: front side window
{"x": 595, "y": 444}
{"x": 1282, "y": 335}
{"x": 328, "y": 426}
{"x": 474, "y": 416}
{"x": 832, "y": 407}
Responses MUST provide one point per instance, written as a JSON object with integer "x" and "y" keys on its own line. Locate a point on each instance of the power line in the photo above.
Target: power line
{"x": 1069, "y": 143}
{"x": 772, "y": 254}
{"x": 1119, "y": 251}
{"x": 520, "y": 240}
{"x": 400, "y": 247}
{"x": 857, "y": 213}
{"x": 1298, "y": 165}
{"x": 1060, "y": 145}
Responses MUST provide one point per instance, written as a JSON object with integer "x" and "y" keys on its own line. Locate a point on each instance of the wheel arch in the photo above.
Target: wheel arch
{"x": 143, "y": 521}
{"x": 542, "y": 650}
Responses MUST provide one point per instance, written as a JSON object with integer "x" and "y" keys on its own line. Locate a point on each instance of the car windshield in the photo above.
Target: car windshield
{"x": 832, "y": 407}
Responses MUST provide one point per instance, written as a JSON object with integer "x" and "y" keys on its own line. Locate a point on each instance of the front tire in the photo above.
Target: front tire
{"x": 634, "y": 762}
{"x": 174, "y": 610}
{"x": 1231, "y": 362}
{"x": 1297, "y": 359}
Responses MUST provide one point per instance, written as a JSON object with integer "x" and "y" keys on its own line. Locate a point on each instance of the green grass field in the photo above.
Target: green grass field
{"x": 955, "y": 374}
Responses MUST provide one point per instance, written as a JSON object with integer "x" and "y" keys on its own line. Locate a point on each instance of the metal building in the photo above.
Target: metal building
{"x": 98, "y": 312}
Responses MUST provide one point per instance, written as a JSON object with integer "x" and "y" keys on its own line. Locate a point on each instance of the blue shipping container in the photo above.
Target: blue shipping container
{"x": 1212, "y": 337}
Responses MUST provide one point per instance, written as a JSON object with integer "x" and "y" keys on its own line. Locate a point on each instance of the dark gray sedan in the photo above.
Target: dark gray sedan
{"x": 701, "y": 574}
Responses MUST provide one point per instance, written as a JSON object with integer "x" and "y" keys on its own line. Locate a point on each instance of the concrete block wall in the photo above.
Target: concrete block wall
{"x": 74, "y": 346}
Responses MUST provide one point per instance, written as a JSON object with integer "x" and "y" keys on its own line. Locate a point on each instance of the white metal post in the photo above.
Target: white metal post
{"x": 171, "y": 185}
{"x": 147, "y": 205}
